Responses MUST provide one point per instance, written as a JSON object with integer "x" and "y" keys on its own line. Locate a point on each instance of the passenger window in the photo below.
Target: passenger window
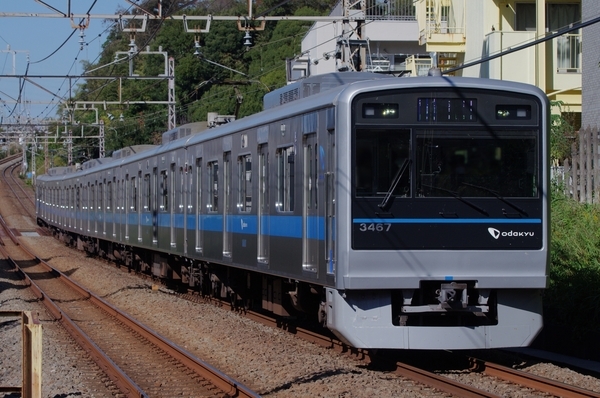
{"x": 245, "y": 183}
{"x": 164, "y": 192}
{"x": 147, "y": 192}
{"x": 213, "y": 186}
{"x": 285, "y": 179}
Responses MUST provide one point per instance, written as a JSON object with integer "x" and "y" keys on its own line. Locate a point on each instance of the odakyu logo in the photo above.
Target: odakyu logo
{"x": 496, "y": 234}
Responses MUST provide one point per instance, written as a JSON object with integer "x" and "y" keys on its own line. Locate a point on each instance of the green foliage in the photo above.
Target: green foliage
{"x": 572, "y": 296}
{"x": 227, "y": 77}
{"x": 562, "y": 135}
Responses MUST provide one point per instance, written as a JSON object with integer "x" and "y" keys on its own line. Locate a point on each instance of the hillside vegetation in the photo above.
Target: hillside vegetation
{"x": 225, "y": 76}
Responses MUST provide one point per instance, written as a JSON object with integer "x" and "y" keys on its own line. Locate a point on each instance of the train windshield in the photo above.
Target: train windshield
{"x": 380, "y": 154}
{"x": 476, "y": 164}
{"x": 446, "y": 163}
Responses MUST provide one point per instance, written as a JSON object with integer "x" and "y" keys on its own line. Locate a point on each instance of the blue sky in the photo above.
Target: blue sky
{"x": 38, "y": 38}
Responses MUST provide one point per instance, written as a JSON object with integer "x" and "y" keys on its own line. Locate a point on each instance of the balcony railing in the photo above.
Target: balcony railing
{"x": 568, "y": 53}
{"x": 397, "y": 10}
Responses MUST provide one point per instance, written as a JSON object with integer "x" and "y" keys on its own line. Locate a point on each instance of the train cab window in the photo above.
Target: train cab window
{"x": 245, "y": 183}
{"x": 285, "y": 179}
{"x": 213, "y": 186}
{"x": 477, "y": 164}
{"x": 382, "y": 162}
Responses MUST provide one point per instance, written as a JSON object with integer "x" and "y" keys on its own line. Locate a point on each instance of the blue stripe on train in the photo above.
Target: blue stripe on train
{"x": 280, "y": 226}
{"x": 447, "y": 220}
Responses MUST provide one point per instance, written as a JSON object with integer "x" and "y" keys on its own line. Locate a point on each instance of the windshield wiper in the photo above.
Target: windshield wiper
{"x": 457, "y": 196}
{"x": 495, "y": 193}
{"x": 387, "y": 199}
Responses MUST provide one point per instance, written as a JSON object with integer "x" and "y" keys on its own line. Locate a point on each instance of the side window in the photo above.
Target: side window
{"x": 101, "y": 196}
{"x": 213, "y": 186}
{"x": 198, "y": 185}
{"x": 147, "y": 192}
{"x": 190, "y": 186}
{"x": 245, "y": 183}
{"x": 134, "y": 194}
{"x": 285, "y": 179}
{"x": 109, "y": 195}
{"x": 163, "y": 192}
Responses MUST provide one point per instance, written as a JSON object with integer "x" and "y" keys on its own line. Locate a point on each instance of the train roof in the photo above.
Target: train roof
{"x": 303, "y": 96}
{"x": 315, "y": 85}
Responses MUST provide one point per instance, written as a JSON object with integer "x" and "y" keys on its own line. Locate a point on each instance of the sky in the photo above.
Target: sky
{"x": 36, "y": 45}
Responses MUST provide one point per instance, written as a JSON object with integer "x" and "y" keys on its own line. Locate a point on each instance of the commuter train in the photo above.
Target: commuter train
{"x": 400, "y": 213}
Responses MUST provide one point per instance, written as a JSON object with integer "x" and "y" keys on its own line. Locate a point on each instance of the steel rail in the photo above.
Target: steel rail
{"x": 530, "y": 380}
{"x": 402, "y": 369}
{"x": 121, "y": 380}
{"x": 217, "y": 378}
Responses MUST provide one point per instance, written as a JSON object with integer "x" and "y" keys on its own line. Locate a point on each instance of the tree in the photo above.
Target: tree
{"x": 562, "y": 135}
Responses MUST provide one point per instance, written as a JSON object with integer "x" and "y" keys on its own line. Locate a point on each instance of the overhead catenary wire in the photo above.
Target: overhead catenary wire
{"x": 445, "y": 71}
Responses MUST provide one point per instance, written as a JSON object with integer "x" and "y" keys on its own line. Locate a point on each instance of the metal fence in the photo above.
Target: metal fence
{"x": 397, "y": 10}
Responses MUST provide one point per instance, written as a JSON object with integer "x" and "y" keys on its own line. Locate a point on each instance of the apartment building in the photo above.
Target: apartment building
{"x": 406, "y": 37}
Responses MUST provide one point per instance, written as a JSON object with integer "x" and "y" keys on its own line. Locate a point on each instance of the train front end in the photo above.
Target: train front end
{"x": 442, "y": 214}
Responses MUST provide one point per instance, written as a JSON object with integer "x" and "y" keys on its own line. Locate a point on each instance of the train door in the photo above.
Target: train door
{"x": 198, "y": 229}
{"x": 70, "y": 206}
{"x": 172, "y": 204}
{"x": 53, "y": 204}
{"x": 330, "y": 203}
{"x": 60, "y": 205}
{"x": 112, "y": 206}
{"x": 122, "y": 189}
{"x": 88, "y": 207}
{"x": 128, "y": 204}
{"x": 154, "y": 205}
{"x": 73, "y": 207}
{"x": 101, "y": 203}
{"x": 263, "y": 205}
{"x": 186, "y": 201}
{"x": 78, "y": 214}
{"x": 227, "y": 230}
{"x": 95, "y": 202}
{"x": 138, "y": 200}
{"x": 310, "y": 204}
{"x": 80, "y": 205}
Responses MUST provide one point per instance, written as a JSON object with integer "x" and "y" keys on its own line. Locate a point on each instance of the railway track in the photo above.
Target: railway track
{"x": 23, "y": 194}
{"x": 545, "y": 387}
{"x": 420, "y": 374}
{"x": 139, "y": 361}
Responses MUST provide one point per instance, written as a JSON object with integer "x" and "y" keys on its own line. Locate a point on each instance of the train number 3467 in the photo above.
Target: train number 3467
{"x": 375, "y": 227}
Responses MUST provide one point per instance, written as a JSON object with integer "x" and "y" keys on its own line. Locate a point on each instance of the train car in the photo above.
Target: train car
{"x": 400, "y": 213}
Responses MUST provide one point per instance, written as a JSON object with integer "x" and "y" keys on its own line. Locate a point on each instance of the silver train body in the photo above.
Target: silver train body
{"x": 404, "y": 213}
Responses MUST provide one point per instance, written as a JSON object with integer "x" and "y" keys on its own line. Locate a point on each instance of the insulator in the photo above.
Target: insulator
{"x": 132, "y": 46}
{"x": 197, "y": 47}
{"x": 247, "y": 39}
{"x": 81, "y": 40}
